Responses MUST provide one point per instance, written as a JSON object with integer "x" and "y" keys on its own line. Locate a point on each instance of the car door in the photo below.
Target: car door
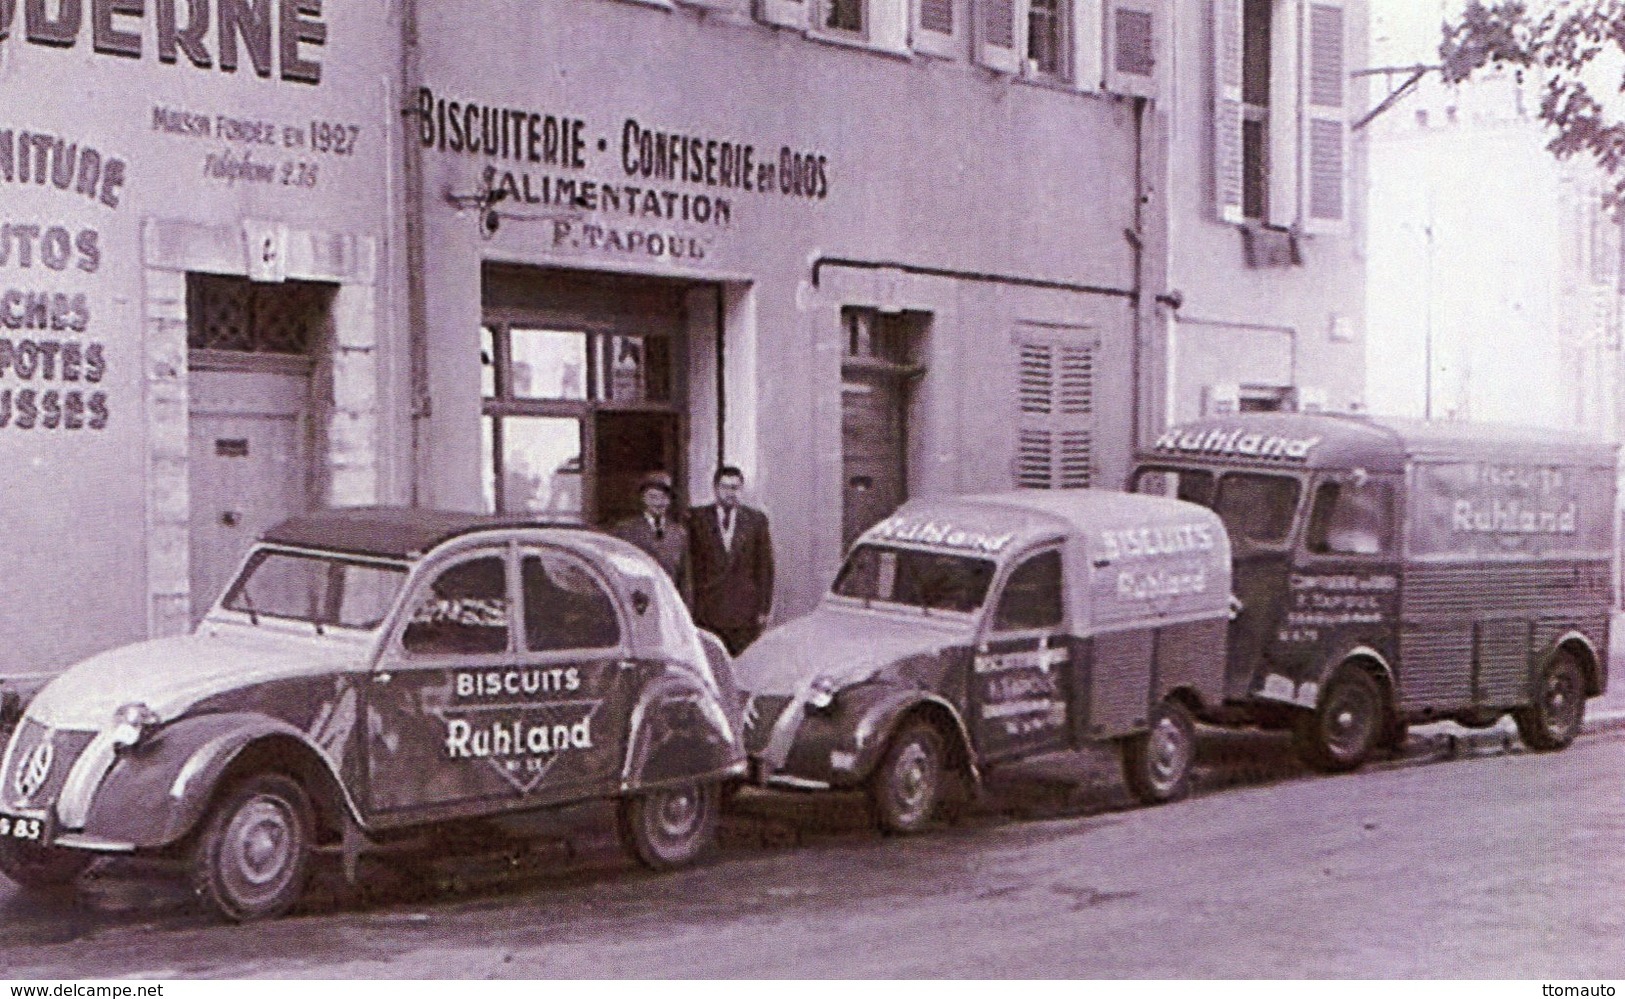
{"x": 440, "y": 738}
{"x": 577, "y": 677}
{"x": 1019, "y": 687}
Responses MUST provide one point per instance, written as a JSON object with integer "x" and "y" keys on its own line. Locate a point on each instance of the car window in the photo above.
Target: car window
{"x": 1352, "y": 518}
{"x": 324, "y": 590}
{"x": 927, "y": 580}
{"x": 465, "y": 610}
{"x": 565, "y": 607}
{"x": 1257, "y": 508}
{"x": 1032, "y": 595}
{"x": 1189, "y": 484}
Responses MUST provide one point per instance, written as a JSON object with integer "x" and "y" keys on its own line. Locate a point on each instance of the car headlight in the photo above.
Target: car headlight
{"x": 131, "y": 723}
{"x": 821, "y": 693}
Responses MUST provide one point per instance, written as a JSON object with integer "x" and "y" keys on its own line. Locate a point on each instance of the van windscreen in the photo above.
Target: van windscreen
{"x": 1188, "y": 484}
{"x": 1258, "y": 508}
{"x": 927, "y": 580}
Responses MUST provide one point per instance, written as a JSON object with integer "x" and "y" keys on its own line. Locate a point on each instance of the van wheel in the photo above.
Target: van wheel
{"x": 253, "y": 857}
{"x": 1342, "y": 731}
{"x": 1554, "y": 719}
{"x": 670, "y": 827}
{"x": 1157, "y": 762}
{"x": 907, "y": 786}
{"x": 40, "y": 868}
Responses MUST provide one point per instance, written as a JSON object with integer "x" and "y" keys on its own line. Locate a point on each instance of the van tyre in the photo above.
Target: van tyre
{"x": 1157, "y": 762}
{"x": 1345, "y": 727}
{"x": 252, "y": 859}
{"x": 907, "y": 787}
{"x": 41, "y": 868}
{"x": 670, "y": 827}
{"x": 1553, "y": 721}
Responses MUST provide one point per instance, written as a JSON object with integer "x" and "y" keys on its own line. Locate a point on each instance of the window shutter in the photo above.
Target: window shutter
{"x": 888, "y": 24}
{"x": 1088, "y": 44}
{"x": 1227, "y": 160}
{"x": 1324, "y": 140}
{"x": 784, "y": 13}
{"x": 1055, "y": 398}
{"x": 934, "y": 28}
{"x": 1001, "y": 34}
{"x": 1135, "y": 30}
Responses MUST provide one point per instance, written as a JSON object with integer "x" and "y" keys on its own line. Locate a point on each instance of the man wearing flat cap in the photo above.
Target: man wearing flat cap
{"x": 658, "y": 531}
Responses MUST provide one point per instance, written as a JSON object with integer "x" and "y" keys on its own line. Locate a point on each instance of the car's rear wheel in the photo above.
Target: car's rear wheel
{"x": 670, "y": 827}
{"x": 1157, "y": 762}
{"x": 1554, "y": 720}
{"x": 907, "y": 786}
{"x": 252, "y": 859}
{"x": 41, "y": 867}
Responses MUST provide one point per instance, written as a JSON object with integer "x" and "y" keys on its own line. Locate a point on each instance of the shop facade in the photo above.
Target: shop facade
{"x": 858, "y": 272}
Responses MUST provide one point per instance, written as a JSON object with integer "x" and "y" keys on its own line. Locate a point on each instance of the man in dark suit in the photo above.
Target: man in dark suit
{"x": 657, "y": 530}
{"x": 731, "y": 558}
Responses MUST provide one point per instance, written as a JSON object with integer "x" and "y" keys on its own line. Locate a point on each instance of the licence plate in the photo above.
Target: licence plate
{"x": 23, "y": 828}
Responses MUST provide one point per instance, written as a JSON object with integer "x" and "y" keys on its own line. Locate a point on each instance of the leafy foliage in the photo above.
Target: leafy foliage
{"x": 1576, "y": 46}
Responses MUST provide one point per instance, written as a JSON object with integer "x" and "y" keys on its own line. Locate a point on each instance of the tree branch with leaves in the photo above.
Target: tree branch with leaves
{"x": 1577, "y": 50}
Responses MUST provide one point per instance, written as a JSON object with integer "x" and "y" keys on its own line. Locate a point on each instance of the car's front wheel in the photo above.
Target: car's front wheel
{"x": 41, "y": 867}
{"x": 670, "y": 827}
{"x": 907, "y": 786}
{"x": 252, "y": 859}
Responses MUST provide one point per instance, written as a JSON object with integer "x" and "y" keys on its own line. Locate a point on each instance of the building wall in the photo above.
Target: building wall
{"x": 1291, "y": 326}
{"x": 194, "y": 168}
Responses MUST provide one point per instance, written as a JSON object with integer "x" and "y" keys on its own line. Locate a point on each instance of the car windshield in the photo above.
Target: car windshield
{"x": 927, "y": 580}
{"x": 320, "y": 589}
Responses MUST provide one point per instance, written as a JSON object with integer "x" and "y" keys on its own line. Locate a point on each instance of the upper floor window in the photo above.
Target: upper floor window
{"x": 843, "y": 16}
{"x": 1280, "y": 142}
{"x": 1048, "y": 35}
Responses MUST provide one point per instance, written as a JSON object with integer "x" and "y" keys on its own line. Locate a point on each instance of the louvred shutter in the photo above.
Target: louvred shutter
{"x": 1001, "y": 31}
{"x": 1324, "y": 141}
{"x": 934, "y": 29}
{"x": 1055, "y": 396}
{"x": 1135, "y": 31}
{"x": 1227, "y": 112}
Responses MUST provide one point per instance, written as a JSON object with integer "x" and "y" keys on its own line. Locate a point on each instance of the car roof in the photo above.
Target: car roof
{"x": 1013, "y": 520}
{"x": 390, "y": 531}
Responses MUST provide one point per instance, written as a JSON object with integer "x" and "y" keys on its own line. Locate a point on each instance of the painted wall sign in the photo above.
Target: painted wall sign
{"x": 263, "y": 36}
{"x": 257, "y": 148}
{"x": 634, "y": 189}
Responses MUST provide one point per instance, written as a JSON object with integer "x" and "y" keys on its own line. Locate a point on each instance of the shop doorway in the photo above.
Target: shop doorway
{"x": 876, "y": 375}
{"x": 249, "y": 456}
{"x": 584, "y": 390}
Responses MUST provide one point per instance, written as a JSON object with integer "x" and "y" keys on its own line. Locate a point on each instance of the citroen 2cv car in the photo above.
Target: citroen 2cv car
{"x": 966, "y": 632}
{"x": 371, "y": 674}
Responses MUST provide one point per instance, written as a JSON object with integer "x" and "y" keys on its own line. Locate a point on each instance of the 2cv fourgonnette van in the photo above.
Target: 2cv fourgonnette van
{"x": 1391, "y": 571}
{"x": 967, "y": 632}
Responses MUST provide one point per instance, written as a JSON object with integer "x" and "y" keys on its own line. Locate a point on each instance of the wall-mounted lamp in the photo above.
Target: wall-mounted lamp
{"x": 485, "y": 202}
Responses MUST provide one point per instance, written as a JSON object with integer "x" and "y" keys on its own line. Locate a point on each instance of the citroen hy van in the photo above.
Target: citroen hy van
{"x": 964, "y": 633}
{"x": 1390, "y": 571}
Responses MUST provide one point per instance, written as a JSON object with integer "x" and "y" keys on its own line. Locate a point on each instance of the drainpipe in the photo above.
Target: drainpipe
{"x": 412, "y": 221}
